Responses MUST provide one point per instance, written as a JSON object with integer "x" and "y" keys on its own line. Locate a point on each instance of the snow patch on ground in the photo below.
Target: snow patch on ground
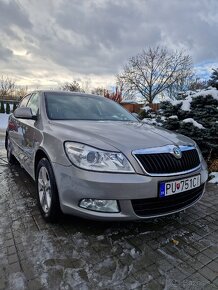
{"x": 168, "y": 256}
{"x": 195, "y": 123}
{"x": 17, "y": 281}
{"x": 214, "y": 176}
{"x": 134, "y": 253}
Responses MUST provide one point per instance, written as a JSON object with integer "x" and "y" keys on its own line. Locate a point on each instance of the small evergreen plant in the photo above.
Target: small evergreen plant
{"x": 213, "y": 81}
{"x": 203, "y": 110}
{"x": 8, "y": 110}
{"x": 2, "y": 108}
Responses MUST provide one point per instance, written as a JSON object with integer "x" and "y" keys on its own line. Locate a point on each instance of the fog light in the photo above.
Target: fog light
{"x": 102, "y": 205}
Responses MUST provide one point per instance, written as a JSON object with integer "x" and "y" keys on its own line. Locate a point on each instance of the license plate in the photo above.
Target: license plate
{"x": 181, "y": 185}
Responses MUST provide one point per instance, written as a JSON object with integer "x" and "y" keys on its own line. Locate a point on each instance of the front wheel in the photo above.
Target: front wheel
{"x": 47, "y": 193}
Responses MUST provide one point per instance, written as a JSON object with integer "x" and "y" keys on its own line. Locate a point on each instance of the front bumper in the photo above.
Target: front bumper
{"x": 75, "y": 184}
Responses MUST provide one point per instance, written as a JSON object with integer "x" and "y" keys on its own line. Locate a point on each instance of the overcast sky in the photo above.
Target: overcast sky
{"x": 46, "y": 42}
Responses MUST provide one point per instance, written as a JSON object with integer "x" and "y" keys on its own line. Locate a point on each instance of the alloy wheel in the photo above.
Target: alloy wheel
{"x": 44, "y": 189}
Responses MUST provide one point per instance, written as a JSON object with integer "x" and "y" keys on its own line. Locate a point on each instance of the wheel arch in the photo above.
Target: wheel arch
{"x": 38, "y": 156}
{"x": 56, "y": 211}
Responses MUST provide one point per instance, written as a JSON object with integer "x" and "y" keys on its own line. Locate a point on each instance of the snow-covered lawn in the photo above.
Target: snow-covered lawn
{"x": 4, "y": 118}
{"x": 3, "y": 121}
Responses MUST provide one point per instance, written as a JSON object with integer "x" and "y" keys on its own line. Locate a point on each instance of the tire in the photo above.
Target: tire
{"x": 47, "y": 193}
{"x": 11, "y": 159}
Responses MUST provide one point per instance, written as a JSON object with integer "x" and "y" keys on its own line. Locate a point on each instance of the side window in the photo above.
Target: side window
{"x": 34, "y": 103}
{"x": 24, "y": 101}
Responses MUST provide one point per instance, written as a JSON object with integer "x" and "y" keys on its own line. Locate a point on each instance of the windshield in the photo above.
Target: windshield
{"x": 83, "y": 107}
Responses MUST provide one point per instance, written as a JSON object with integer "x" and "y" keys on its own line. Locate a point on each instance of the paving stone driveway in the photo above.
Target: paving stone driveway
{"x": 177, "y": 252}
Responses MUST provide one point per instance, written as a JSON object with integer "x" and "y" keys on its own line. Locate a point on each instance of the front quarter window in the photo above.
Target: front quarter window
{"x": 24, "y": 101}
{"x": 33, "y": 103}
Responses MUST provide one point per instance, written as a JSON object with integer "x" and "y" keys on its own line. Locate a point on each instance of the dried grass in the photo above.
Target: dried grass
{"x": 213, "y": 166}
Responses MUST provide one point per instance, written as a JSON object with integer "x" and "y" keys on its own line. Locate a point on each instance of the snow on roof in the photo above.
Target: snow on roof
{"x": 196, "y": 124}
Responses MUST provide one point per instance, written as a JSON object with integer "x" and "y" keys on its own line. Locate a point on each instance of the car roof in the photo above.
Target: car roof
{"x": 65, "y": 92}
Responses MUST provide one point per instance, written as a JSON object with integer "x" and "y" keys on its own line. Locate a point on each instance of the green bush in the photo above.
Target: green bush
{"x": 213, "y": 81}
{"x": 204, "y": 110}
{"x": 196, "y": 117}
{"x": 8, "y": 110}
{"x": 2, "y": 108}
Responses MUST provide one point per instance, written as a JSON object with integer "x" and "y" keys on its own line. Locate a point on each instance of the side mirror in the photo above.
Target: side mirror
{"x": 24, "y": 113}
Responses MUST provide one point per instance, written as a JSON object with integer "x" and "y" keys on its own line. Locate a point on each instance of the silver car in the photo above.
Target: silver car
{"x": 91, "y": 158}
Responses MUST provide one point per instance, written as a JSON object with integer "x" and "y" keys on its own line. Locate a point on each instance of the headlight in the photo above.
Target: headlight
{"x": 90, "y": 158}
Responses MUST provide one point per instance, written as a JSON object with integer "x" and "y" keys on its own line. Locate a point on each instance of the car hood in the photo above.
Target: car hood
{"x": 120, "y": 135}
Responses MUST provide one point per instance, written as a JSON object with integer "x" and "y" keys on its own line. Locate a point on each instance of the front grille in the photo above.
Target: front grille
{"x": 162, "y": 205}
{"x": 165, "y": 163}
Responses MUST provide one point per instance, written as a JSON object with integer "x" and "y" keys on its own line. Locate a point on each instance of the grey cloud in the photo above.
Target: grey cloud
{"x": 13, "y": 13}
{"x": 102, "y": 24}
{"x": 5, "y": 53}
{"x": 101, "y": 38}
{"x": 112, "y": 31}
{"x": 192, "y": 24}
{"x": 98, "y": 37}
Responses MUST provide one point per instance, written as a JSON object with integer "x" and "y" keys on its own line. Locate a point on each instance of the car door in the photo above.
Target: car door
{"x": 29, "y": 128}
{"x": 15, "y": 131}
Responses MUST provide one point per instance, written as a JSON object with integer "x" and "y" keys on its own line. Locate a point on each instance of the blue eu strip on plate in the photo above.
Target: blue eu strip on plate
{"x": 162, "y": 189}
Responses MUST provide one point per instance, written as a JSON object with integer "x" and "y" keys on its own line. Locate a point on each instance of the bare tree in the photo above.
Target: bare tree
{"x": 73, "y": 86}
{"x": 85, "y": 85}
{"x": 98, "y": 91}
{"x": 197, "y": 84}
{"x": 21, "y": 92}
{"x": 153, "y": 71}
{"x": 180, "y": 86}
{"x": 7, "y": 86}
